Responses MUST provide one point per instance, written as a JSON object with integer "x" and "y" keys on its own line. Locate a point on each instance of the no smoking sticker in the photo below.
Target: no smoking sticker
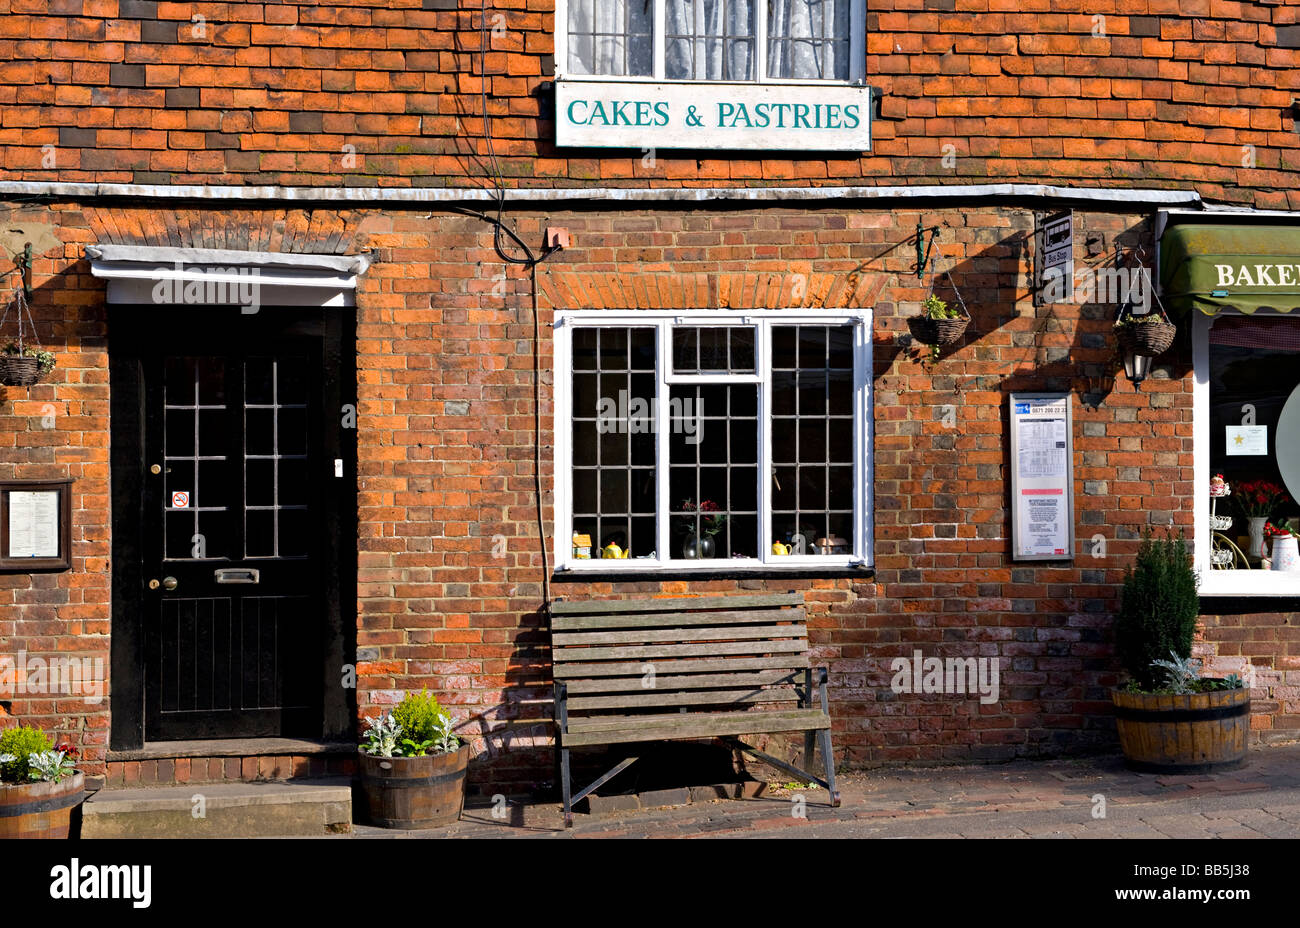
{"x": 180, "y": 500}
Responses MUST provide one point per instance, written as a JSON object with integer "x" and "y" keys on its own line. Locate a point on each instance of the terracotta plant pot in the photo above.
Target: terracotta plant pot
{"x": 39, "y": 810}
{"x": 413, "y": 792}
{"x": 937, "y": 331}
{"x": 1193, "y": 733}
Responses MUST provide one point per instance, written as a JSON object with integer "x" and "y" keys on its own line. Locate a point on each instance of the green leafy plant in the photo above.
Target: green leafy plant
{"x": 1158, "y": 609}
{"x": 415, "y": 749}
{"x": 44, "y": 359}
{"x": 427, "y": 725}
{"x": 18, "y": 745}
{"x": 935, "y": 308}
{"x": 1182, "y": 674}
{"x": 381, "y": 736}
{"x": 1145, "y": 319}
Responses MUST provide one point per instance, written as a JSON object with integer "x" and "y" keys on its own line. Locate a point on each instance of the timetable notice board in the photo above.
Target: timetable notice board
{"x": 1042, "y": 477}
{"x": 35, "y": 525}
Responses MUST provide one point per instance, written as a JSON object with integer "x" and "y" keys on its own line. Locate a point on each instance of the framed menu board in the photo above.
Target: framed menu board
{"x": 1042, "y": 477}
{"x": 35, "y": 525}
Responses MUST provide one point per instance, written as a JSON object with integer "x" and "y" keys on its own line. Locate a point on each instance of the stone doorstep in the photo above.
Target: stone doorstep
{"x": 232, "y": 747}
{"x": 678, "y": 796}
{"x": 232, "y": 810}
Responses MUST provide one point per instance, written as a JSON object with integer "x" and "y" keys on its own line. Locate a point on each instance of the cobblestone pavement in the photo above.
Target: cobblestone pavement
{"x": 1025, "y": 799}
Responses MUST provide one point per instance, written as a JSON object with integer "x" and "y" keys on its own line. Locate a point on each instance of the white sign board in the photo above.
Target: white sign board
{"x": 1246, "y": 439}
{"x": 1054, "y": 262}
{"x": 767, "y": 117}
{"x": 1042, "y": 477}
{"x": 33, "y": 524}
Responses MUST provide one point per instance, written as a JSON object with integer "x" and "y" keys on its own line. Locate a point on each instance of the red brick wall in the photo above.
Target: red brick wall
{"x": 446, "y": 463}
{"x": 271, "y": 92}
{"x": 56, "y": 430}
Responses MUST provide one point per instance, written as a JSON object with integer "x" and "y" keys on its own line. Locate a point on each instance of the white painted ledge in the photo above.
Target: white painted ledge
{"x": 140, "y": 274}
{"x": 1125, "y": 196}
{"x": 1250, "y": 583}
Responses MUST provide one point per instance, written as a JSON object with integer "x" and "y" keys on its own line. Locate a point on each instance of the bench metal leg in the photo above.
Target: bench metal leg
{"x": 605, "y": 778}
{"x": 828, "y": 785}
{"x": 829, "y": 760}
{"x": 564, "y": 787}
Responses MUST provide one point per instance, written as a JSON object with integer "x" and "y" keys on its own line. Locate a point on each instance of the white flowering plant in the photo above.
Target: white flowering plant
{"x": 381, "y": 736}
{"x": 50, "y": 766}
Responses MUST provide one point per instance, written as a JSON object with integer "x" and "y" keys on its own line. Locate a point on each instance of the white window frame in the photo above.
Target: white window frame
{"x": 857, "y": 52}
{"x": 863, "y": 474}
{"x": 1219, "y": 582}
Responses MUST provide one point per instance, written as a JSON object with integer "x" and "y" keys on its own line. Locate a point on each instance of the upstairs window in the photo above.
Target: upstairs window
{"x": 713, "y": 40}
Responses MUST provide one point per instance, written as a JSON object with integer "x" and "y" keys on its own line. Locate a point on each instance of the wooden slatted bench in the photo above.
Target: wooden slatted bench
{"x": 636, "y": 670}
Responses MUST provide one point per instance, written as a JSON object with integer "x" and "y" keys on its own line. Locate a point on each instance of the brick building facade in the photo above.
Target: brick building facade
{"x": 324, "y": 133}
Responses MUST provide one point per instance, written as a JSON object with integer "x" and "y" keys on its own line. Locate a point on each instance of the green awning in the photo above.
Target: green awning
{"x": 1216, "y": 267}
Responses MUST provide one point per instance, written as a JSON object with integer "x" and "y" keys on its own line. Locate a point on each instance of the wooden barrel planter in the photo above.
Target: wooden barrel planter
{"x": 39, "y": 810}
{"x": 413, "y": 792}
{"x": 1193, "y": 733}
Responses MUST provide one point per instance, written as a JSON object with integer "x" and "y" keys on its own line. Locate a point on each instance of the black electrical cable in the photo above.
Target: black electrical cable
{"x": 531, "y": 260}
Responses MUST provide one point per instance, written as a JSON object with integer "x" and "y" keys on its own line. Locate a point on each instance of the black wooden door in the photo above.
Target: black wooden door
{"x": 234, "y": 522}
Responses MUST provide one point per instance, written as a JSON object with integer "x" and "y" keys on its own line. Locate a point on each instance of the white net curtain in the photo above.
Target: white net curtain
{"x": 710, "y": 39}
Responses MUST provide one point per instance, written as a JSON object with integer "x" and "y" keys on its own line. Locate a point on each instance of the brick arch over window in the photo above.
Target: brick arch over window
{"x": 561, "y": 289}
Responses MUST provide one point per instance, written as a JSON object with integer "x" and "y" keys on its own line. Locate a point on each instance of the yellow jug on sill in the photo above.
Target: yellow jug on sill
{"x": 778, "y": 548}
{"x": 614, "y": 551}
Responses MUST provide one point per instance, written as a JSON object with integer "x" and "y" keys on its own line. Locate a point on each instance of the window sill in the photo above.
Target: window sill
{"x": 1250, "y": 583}
{"x": 806, "y": 571}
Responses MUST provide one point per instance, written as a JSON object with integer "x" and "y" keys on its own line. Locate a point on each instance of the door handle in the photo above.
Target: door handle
{"x": 237, "y": 575}
{"x": 169, "y": 583}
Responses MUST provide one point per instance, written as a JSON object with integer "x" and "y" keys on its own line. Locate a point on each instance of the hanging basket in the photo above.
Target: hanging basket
{"x": 22, "y": 361}
{"x": 1146, "y": 338}
{"x": 940, "y": 332}
{"x": 16, "y": 371}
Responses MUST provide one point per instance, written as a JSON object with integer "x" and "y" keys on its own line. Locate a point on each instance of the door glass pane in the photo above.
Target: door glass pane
{"x": 195, "y": 485}
{"x": 276, "y": 472}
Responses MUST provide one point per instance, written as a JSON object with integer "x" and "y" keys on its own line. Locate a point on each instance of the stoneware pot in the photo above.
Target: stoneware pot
{"x": 413, "y": 792}
{"x": 1257, "y": 524}
{"x": 40, "y": 810}
{"x": 1193, "y": 733}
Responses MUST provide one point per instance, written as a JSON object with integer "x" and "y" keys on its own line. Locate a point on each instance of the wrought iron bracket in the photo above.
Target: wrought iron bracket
{"x": 23, "y": 266}
{"x": 924, "y": 247}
